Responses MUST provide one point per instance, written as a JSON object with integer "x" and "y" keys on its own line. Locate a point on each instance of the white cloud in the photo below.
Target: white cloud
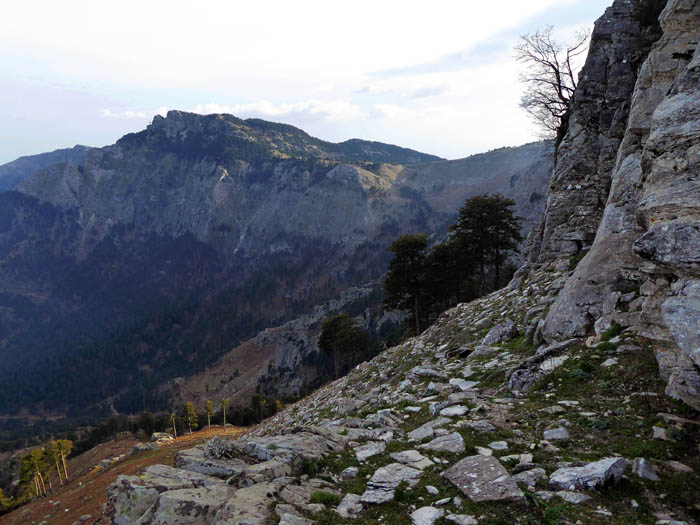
{"x": 108, "y": 113}
{"x": 305, "y": 111}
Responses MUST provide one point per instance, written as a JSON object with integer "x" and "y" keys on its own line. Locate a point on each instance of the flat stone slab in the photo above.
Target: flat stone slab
{"x": 428, "y": 429}
{"x": 575, "y": 498}
{"x": 589, "y": 476}
{"x": 380, "y": 487}
{"x": 411, "y": 458}
{"x": 447, "y": 443}
{"x": 190, "y": 506}
{"x": 556, "y": 434}
{"x": 483, "y": 478}
{"x": 195, "y": 460}
{"x": 372, "y": 448}
{"x": 425, "y": 371}
{"x": 463, "y": 384}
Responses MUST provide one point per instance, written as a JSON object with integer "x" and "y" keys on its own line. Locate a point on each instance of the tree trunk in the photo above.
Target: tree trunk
{"x": 58, "y": 469}
{"x": 335, "y": 361}
{"x": 174, "y": 429}
{"x": 65, "y": 470}
{"x": 224, "y": 419}
{"x": 208, "y": 421}
{"x": 190, "y": 425}
{"x": 415, "y": 308}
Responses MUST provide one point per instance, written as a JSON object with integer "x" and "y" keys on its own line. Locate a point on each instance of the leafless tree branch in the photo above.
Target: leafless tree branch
{"x": 549, "y": 76}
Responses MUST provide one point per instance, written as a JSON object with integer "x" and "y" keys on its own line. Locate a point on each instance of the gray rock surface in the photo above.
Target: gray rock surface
{"x": 426, "y": 515}
{"x": 448, "y": 443}
{"x": 500, "y": 333}
{"x": 649, "y": 221}
{"x": 483, "y": 478}
{"x": 380, "y": 487}
{"x": 350, "y": 506}
{"x": 589, "y": 476}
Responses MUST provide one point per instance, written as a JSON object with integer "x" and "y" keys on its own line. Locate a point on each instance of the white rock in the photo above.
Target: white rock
{"x": 453, "y": 411}
{"x": 426, "y": 515}
{"x": 556, "y": 434}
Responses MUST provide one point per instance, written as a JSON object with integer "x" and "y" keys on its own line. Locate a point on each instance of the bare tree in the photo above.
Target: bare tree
{"x": 550, "y": 77}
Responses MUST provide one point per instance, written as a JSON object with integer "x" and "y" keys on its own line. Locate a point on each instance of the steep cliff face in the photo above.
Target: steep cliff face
{"x": 643, "y": 265}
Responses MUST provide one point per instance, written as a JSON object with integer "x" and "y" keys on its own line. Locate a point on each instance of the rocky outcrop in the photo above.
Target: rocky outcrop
{"x": 648, "y": 240}
{"x": 598, "y": 117}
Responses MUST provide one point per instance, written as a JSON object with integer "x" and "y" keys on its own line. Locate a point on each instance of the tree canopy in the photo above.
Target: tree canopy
{"x": 469, "y": 263}
{"x": 342, "y": 337}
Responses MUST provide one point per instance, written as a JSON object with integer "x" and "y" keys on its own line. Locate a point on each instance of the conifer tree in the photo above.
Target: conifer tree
{"x": 190, "y": 416}
{"x": 224, "y": 406}
{"x": 210, "y": 410}
{"x": 404, "y": 285}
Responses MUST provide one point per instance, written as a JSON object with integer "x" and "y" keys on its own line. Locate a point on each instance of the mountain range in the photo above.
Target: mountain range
{"x": 124, "y": 267}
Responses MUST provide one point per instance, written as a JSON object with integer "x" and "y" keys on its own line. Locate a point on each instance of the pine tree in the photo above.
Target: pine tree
{"x": 404, "y": 285}
{"x": 210, "y": 410}
{"x": 340, "y": 337}
{"x": 488, "y": 230}
{"x": 190, "y": 416}
{"x": 224, "y": 406}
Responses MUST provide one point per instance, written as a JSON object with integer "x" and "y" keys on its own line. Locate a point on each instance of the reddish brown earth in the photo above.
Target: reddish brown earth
{"x": 86, "y": 491}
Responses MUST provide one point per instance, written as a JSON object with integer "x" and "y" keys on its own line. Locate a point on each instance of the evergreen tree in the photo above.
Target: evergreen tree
{"x": 210, "y": 410}
{"x": 404, "y": 285}
{"x": 189, "y": 414}
{"x": 224, "y": 406}
{"x": 488, "y": 230}
{"x": 340, "y": 337}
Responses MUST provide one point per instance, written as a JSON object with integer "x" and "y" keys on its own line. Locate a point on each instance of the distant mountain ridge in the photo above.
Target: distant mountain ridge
{"x": 13, "y": 173}
{"x": 153, "y": 257}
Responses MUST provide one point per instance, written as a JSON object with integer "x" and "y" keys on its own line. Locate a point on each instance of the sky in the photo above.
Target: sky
{"x": 435, "y": 76}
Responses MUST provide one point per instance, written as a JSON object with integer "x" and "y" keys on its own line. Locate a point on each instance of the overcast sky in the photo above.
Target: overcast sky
{"x": 436, "y": 76}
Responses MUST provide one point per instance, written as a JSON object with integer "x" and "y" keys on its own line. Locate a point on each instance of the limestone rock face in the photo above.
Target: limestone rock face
{"x": 648, "y": 238}
{"x": 586, "y": 156}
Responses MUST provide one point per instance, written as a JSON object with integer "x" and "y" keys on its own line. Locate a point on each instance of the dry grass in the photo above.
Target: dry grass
{"x": 86, "y": 491}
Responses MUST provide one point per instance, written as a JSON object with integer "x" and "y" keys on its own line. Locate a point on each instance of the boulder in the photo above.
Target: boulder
{"x": 556, "y": 434}
{"x": 428, "y": 429}
{"x": 528, "y": 478}
{"x": 350, "y": 506}
{"x": 483, "y": 478}
{"x": 504, "y": 331}
{"x": 426, "y": 515}
{"x": 194, "y": 460}
{"x": 130, "y": 497}
{"x": 380, "y": 487}
{"x": 594, "y": 474}
{"x": 197, "y": 506}
{"x": 249, "y": 505}
{"x": 644, "y": 469}
{"x": 370, "y": 449}
{"x": 448, "y": 443}
{"x": 411, "y": 458}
